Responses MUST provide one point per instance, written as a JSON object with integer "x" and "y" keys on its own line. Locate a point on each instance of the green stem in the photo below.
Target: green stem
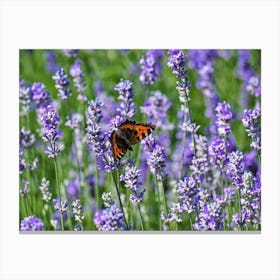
{"x": 59, "y": 194}
{"x": 183, "y": 145}
{"x": 141, "y": 217}
{"x": 26, "y": 206}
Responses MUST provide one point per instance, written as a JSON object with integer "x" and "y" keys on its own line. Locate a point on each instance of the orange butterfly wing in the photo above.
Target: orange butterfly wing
{"x": 117, "y": 151}
{"x": 132, "y": 132}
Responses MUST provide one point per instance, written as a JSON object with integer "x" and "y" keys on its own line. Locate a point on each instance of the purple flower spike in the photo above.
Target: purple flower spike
{"x": 79, "y": 80}
{"x": 40, "y": 95}
{"x": 127, "y": 107}
{"x": 131, "y": 181}
{"x": 155, "y": 157}
{"x": 110, "y": 219}
{"x": 31, "y": 223}
{"x": 224, "y": 116}
{"x": 151, "y": 66}
{"x": 250, "y": 121}
{"x": 49, "y": 120}
{"x": 62, "y": 83}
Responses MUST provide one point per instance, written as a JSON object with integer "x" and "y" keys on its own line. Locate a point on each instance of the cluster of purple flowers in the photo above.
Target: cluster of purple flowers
{"x": 109, "y": 219}
{"x": 49, "y": 120}
{"x": 62, "y": 83}
{"x": 79, "y": 80}
{"x": 31, "y": 223}
{"x": 151, "y": 66}
{"x": 127, "y": 107}
{"x": 132, "y": 181}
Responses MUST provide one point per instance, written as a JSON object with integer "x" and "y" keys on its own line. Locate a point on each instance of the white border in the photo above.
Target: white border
{"x": 112, "y": 24}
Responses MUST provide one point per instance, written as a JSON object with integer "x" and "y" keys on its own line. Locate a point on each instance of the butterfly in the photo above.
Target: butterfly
{"x": 128, "y": 134}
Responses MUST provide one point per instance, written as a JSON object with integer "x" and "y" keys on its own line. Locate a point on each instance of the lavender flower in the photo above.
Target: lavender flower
{"x": 110, "y": 219}
{"x": 131, "y": 181}
{"x": 40, "y": 95}
{"x": 77, "y": 211}
{"x": 254, "y": 86}
{"x": 70, "y": 53}
{"x": 218, "y": 152}
{"x": 107, "y": 199}
{"x": 224, "y": 116}
{"x": 188, "y": 194}
{"x": 252, "y": 126}
{"x": 73, "y": 188}
{"x": 127, "y": 107}
{"x": 51, "y": 63}
{"x": 198, "y": 58}
{"x": 210, "y": 217}
{"x": 25, "y": 190}
{"x": 26, "y": 139}
{"x": 156, "y": 108}
{"x": 155, "y": 157}
{"x": 31, "y": 223}
{"x": 49, "y": 120}
{"x": 177, "y": 63}
{"x": 79, "y": 80}
{"x": 151, "y": 66}
{"x": 60, "y": 206}
{"x": 235, "y": 168}
{"x": 244, "y": 70}
{"x": 45, "y": 190}
{"x": 24, "y": 98}
{"x": 96, "y": 138}
{"x": 62, "y": 83}
{"x": 22, "y": 163}
{"x": 34, "y": 165}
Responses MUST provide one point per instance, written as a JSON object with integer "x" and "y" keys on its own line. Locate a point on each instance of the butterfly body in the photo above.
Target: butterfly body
{"x": 128, "y": 134}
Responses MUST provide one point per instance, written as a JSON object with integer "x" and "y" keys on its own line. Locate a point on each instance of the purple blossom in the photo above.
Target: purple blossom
{"x": 24, "y": 98}
{"x": 110, "y": 219}
{"x": 218, "y": 152}
{"x": 155, "y": 157}
{"x": 31, "y": 223}
{"x": 198, "y": 58}
{"x": 79, "y": 80}
{"x": 22, "y": 163}
{"x": 199, "y": 164}
{"x": 188, "y": 194}
{"x": 51, "y": 62}
{"x": 70, "y": 52}
{"x": 26, "y": 139}
{"x": 250, "y": 121}
{"x": 224, "y": 116}
{"x": 210, "y": 217}
{"x": 156, "y": 108}
{"x": 40, "y": 95}
{"x": 244, "y": 70}
{"x": 151, "y": 66}
{"x": 73, "y": 188}
{"x": 132, "y": 181}
{"x": 62, "y": 83}
{"x": 235, "y": 168}
{"x": 253, "y": 86}
{"x": 49, "y": 120}
{"x": 177, "y": 62}
{"x": 45, "y": 190}
{"x": 25, "y": 190}
{"x": 127, "y": 107}
{"x": 77, "y": 211}
{"x": 60, "y": 206}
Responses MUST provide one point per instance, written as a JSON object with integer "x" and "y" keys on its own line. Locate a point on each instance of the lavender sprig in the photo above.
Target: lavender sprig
{"x": 62, "y": 83}
{"x": 151, "y": 67}
{"x": 79, "y": 80}
{"x": 127, "y": 107}
{"x": 250, "y": 121}
{"x": 31, "y": 223}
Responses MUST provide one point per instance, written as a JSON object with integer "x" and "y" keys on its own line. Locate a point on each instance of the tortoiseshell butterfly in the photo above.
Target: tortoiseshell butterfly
{"x": 128, "y": 134}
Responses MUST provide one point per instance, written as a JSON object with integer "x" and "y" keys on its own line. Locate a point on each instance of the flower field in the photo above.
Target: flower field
{"x": 140, "y": 140}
